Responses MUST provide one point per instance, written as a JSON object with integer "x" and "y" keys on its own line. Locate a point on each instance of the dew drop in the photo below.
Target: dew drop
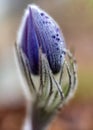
{"x": 57, "y": 48}
{"x": 42, "y": 14}
{"x": 53, "y": 36}
{"x": 60, "y": 56}
{"x": 58, "y": 39}
{"x": 57, "y": 35}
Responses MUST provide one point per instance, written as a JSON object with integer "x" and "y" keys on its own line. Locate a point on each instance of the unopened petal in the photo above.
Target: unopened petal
{"x": 32, "y": 45}
{"x": 50, "y": 38}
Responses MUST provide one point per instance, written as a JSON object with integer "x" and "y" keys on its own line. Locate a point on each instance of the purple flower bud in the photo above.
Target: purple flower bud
{"x": 39, "y": 30}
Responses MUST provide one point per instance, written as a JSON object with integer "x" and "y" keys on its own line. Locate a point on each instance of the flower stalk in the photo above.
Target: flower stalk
{"x": 52, "y": 94}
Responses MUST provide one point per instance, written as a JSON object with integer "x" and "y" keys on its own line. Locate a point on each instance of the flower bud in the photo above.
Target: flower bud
{"x": 40, "y": 49}
{"x": 39, "y": 30}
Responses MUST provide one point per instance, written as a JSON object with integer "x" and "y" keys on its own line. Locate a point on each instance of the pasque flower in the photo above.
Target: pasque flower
{"x": 39, "y": 30}
{"x": 41, "y": 52}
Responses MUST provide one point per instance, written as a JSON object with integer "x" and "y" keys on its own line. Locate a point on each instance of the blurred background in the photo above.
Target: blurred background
{"x": 76, "y": 20}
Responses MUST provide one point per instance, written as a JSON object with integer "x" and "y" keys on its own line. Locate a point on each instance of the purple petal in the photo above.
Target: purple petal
{"x": 32, "y": 45}
{"x": 49, "y": 37}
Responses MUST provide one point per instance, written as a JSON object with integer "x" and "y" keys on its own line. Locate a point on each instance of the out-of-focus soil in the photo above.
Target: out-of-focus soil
{"x": 78, "y": 116}
{"x": 75, "y": 116}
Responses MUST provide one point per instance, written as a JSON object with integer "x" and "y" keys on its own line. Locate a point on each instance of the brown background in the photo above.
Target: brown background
{"x": 76, "y": 20}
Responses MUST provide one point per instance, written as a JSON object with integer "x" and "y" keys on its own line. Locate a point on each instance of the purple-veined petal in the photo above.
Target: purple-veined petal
{"x": 49, "y": 37}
